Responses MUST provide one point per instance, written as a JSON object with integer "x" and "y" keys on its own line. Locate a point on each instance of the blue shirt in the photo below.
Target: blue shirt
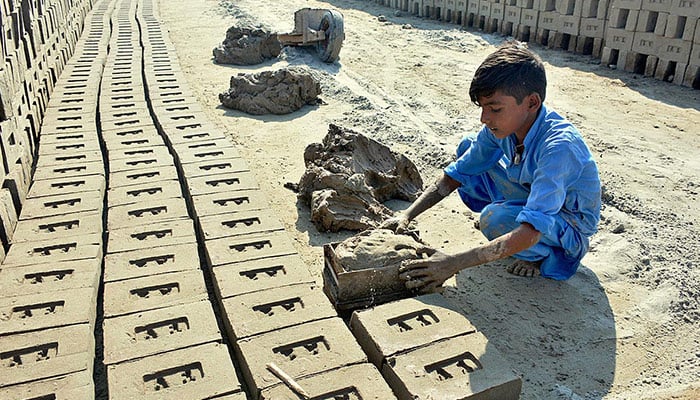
{"x": 556, "y": 172}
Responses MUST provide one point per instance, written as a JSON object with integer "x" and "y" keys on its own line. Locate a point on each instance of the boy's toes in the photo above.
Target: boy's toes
{"x": 524, "y": 268}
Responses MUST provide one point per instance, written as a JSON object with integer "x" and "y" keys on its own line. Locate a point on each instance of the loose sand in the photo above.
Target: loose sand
{"x": 627, "y": 325}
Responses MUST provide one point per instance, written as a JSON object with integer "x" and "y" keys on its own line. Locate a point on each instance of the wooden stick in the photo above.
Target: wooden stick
{"x": 288, "y": 380}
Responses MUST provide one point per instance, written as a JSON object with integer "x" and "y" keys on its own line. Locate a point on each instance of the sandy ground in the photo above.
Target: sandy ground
{"x": 627, "y": 324}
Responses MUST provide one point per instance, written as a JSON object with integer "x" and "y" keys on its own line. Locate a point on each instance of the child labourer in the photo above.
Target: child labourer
{"x": 527, "y": 171}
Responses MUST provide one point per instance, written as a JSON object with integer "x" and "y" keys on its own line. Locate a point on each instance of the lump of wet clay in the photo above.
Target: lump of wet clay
{"x": 348, "y": 176}
{"x": 272, "y": 92}
{"x": 377, "y": 248}
{"x": 247, "y": 46}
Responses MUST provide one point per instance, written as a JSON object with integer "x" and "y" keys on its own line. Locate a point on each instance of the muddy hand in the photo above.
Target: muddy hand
{"x": 398, "y": 224}
{"x": 425, "y": 275}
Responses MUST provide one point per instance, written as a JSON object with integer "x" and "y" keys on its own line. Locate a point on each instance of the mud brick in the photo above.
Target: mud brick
{"x": 151, "y": 332}
{"x": 646, "y": 43}
{"x": 8, "y": 219}
{"x": 118, "y": 115}
{"x": 68, "y": 159}
{"x": 78, "y": 385}
{"x": 61, "y": 101}
{"x": 152, "y": 261}
{"x": 85, "y": 116}
{"x": 627, "y": 4}
{"x": 142, "y": 176}
{"x": 59, "y": 186}
{"x": 57, "y": 227}
{"x": 142, "y": 214}
{"x": 183, "y": 129}
{"x": 168, "y": 91}
{"x": 69, "y": 171}
{"x": 175, "y": 118}
{"x": 224, "y": 203}
{"x": 114, "y": 137}
{"x": 125, "y": 123}
{"x": 122, "y": 106}
{"x": 360, "y": 381}
{"x": 47, "y": 310}
{"x": 153, "y": 292}
{"x": 199, "y": 372}
{"x": 158, "y": 234}
{"x": 70, "y": 137}
{"x": 135, "y": 143}
{"x": 158, "y": 152}
{"x": 676, "y": 50}
{"x": 173, "y": 112}
{"x": 458, "y": 368}
{"x": 688, "y": 8}
{"x": 618, "y": 39}
{"x": 240, "y": 223}
{"x": 42, "y": 207}
{"x": 657, "y": 5}
{"x": 145, "y": 193}
{"x": 276, "y": 308}
{"x": 248, "y": 247}
{"x": 213, "y": 163}
{"x": 17, "y": 182}
{"x": 592, "y": 28}
{"x": 46, "y": 354}
{"x": 227, "y": 182}
{"x": 47, "y": 278}
{"x": 183, "y": 98}
{"x": 205, "y": 132}
{"x": 300, "y": 351}
{"x": 260, "y": 275}
{"x": 403, "y": 325}
{"x": 51, "y": 251}
{"x": 140, "y": 159}
{"x": 623, "y": 18}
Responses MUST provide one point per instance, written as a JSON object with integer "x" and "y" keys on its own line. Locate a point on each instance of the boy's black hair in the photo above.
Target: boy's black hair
{"x": 512, "y": 69}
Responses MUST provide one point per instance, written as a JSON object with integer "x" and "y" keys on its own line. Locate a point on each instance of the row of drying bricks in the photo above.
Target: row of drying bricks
{"x": 161, "y": 337}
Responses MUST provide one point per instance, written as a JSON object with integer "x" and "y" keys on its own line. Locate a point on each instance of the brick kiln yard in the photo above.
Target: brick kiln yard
{"x": 155, "y": 296}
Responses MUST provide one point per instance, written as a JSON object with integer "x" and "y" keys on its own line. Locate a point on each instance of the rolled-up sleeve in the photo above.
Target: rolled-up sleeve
{"x": 481, "y": 155}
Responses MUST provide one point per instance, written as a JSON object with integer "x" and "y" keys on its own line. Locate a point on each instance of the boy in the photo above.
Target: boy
{"x": 528, "y": 172}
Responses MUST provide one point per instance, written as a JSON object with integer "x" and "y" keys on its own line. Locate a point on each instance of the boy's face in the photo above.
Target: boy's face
{"x": 503, "y": 115}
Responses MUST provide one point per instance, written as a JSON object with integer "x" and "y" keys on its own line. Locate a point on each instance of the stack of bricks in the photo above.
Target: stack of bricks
{"x": 37, "y": 39}
{"x": 426, "y": 349}
{"x": 659, "y": 38}
{"x": 50, "y": 275}
{"x": 161, "y": 335}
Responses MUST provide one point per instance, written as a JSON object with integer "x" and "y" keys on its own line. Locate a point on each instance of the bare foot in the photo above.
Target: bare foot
{"x": 525, "y": 268}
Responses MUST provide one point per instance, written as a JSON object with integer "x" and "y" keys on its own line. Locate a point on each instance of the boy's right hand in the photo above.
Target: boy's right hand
{"x": 398, "y": 224}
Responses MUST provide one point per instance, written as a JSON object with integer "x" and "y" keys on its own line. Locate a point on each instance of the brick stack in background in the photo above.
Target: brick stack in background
{"x": 655, "y": 38}
{"x": 52, "y": 231}
{"x": 37, "y": 39}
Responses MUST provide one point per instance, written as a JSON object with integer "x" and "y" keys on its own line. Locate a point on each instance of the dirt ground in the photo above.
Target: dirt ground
{"x": 627, "y": 324}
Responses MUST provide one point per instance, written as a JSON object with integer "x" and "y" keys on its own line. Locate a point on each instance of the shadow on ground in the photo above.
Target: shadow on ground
{"x": 558, "y": 336}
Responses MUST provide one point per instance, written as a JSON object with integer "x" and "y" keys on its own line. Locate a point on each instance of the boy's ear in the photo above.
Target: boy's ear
{"x": 534, "y": 101}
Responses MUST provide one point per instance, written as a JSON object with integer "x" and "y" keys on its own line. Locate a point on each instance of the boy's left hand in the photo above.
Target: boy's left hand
{"x": 426, "y": 275}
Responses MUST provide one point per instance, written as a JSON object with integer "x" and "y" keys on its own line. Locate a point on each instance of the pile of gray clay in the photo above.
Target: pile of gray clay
{"x": 349, "y": 176}
{"x": 282, "y": 91}
{"x": 247, "y": 46}
{"x": 377, "y": 248}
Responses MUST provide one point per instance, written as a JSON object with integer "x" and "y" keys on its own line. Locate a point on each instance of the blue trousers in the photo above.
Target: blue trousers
{"x": 499, "y": 200}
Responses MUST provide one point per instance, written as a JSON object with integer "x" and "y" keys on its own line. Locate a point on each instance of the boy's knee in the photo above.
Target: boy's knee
{"x": 497, "y": 219}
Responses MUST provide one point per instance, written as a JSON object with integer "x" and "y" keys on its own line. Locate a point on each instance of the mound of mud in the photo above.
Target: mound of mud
{"x": 378, "y": 248}
{"x": 348, "y": 176}
{"x": 247, "y": 46}
{"x": 272, "y": 92}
